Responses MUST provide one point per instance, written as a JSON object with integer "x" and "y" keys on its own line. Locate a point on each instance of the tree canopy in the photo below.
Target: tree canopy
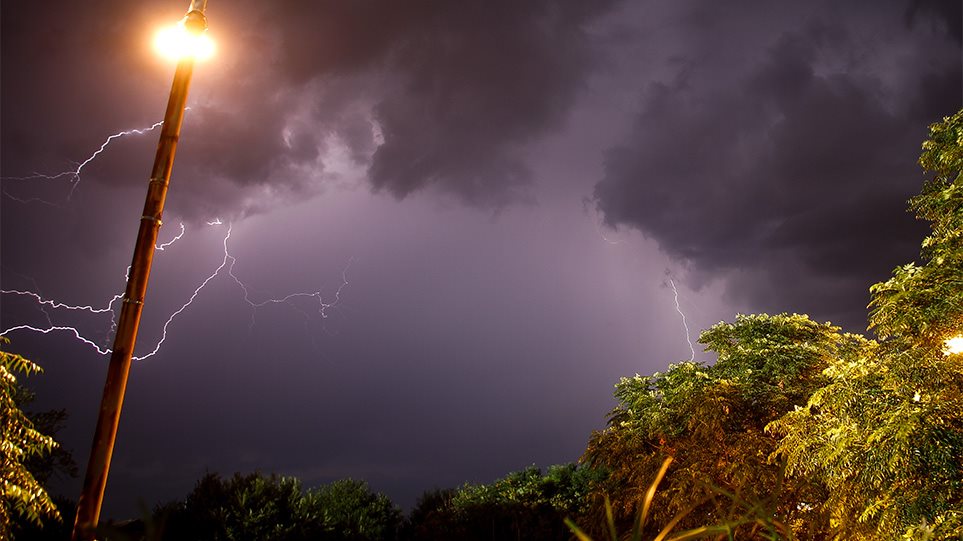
{"x": 712, "y": 420}
{"x": 255, "y": 507}
{"x": 525, "y": 504}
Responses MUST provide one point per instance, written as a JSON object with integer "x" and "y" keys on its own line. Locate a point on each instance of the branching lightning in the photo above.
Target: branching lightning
{"x": 73, "y": 175}
{"x": 685, "y": 324}
{"x": 227, "y": 262}
{"x": 322, "y": 305}
{"x": 189, "y": 301}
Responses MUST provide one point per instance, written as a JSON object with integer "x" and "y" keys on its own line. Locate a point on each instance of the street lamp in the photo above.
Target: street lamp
{"x": 192, "y": 29}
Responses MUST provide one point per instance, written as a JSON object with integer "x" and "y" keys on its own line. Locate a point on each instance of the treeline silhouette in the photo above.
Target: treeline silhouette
{"x": 526, "y": 504}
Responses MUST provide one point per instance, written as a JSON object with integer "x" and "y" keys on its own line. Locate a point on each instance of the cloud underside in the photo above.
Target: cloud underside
{"x": 430, "y": 95}
{"x": 786, "y": 176}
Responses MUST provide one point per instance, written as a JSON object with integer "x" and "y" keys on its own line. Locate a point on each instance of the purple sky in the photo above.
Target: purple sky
{"x": 507, "y": 187}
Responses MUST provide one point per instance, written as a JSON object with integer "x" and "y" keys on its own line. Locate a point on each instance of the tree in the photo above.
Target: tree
{"x": 56, "y": 464}
{"x": 249, "y": 507}
{"x": 20, "y": 442}
{"x": 711, "y": 420}
{"x": 525, "y": 504}
{"x": 347, "y": 510}
{"x": 256, "y": 507}
{"x": 886, "y": 433}
{"x": 432, "y": 517}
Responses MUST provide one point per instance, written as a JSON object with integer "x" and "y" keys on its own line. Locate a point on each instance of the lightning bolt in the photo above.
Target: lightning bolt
{"x": 55, "y": 304}
{"x": 322, "y": 305}
{"x": 73, "y": 175}
{"x": 53, "y": 328}
{"x": 109, "y": 308}
{"x": 227, "y": 262}
{"x": 685, "y": 324}
{"x": 598, "y": 221}
{"x": 163, "y": 246}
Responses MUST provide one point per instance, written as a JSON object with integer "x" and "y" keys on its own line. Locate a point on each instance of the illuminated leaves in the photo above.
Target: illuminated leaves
{"x": 711, "y": 419}
{"x": 21, "y": 494}
{"x": 885, "y": 435}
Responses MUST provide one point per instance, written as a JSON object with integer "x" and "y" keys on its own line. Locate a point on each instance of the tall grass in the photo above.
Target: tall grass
{"x": 759, "y": 516}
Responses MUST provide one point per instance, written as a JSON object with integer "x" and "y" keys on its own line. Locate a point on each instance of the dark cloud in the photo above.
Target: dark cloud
{"x": 478, "y": 83}
{"x": 789, "y": 169}
{"x": 459, "y": 89}
{"x": 462, "y": 86}
{"x": 944, "y": 16}
{"x": 418, "y": 94}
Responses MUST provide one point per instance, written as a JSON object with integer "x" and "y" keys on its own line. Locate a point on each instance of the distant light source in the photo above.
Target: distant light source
{"x": 953, "y": 346}
{"x": 177, "y": 42}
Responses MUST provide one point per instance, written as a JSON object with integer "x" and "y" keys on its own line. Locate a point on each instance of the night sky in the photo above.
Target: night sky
{"x": 508, "y": 188}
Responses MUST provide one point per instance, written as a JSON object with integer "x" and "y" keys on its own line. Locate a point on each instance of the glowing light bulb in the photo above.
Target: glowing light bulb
{"x": 177, "y": 42}
{"x": 954, "y": 345}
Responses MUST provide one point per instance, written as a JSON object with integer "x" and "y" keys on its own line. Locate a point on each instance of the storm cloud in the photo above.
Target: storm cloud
{"x": 776, "y": 158}
{"x": 419, "y": 94}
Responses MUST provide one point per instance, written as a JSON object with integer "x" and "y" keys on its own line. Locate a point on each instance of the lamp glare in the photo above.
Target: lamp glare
{"x": 176, "y": 42}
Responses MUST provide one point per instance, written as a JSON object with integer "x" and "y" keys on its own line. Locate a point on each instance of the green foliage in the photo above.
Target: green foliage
{"x": 712, "y": 420}
{"x": 255, "y": 507}
{"x": 886, "y": 433}
{"x": 22, "y": 495}
{"x": 562, "y": 488}
{"x": 348, "y": 510}
{"x": 244, "y": 507}
{"x": 525, "y": 504}
{"x": 922, "y": 304}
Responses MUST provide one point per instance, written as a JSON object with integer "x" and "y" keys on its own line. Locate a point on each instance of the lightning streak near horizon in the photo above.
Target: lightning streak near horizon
{"x": 227, "y": 262}
{"x": 675, "y": 292}
{"x": 685, "y": 324}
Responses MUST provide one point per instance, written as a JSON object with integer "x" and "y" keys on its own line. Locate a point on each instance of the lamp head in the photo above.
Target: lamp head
{"x": 188, "y": 38}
